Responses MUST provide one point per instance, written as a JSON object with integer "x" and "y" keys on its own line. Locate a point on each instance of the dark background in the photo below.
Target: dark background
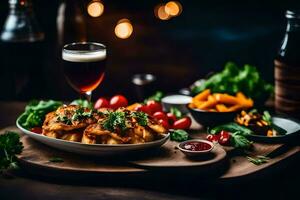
{"x": 202, "y": 39}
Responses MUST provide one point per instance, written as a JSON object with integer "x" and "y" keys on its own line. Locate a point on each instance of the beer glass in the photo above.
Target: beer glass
{"x": 84, "y": 66}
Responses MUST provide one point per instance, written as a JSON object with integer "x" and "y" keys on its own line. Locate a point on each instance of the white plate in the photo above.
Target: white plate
{"x": 92, "y": 149}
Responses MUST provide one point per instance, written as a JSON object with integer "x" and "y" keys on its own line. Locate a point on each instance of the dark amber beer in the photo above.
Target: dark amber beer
{"x": 84, "y": 65}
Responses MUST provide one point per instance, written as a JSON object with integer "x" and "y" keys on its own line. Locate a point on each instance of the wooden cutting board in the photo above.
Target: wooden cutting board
{"x": 35, "y": 158}
{"x": 36, "y": 155}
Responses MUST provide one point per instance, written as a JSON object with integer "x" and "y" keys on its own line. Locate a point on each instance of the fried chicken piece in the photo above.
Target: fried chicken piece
{"x": 143, "y": 133}
{"x": 70, "y": 117}
{"x": 88, "y": 139}
{"x": 156, "y": 127}
{"x": 96, "y": 130}
{"x": 51, "y": 134}
{"x": 74, "y": 137}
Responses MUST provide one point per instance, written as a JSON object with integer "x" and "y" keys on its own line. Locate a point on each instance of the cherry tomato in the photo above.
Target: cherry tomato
{"x": 37, "y": 130}
{"x": 143, "y": 108}
{"x": 224, "y": 138}
{"x": 183, "y": 123}
{"x": 213, "y": 138}
{"x": 101, "y": 103}
{"x": 171, "y": 118}
{"x": 118, "y": 101}
{"x": 160, "y": 115}
{"x": 154, "y": 106}
{"x": 164, "y": 123}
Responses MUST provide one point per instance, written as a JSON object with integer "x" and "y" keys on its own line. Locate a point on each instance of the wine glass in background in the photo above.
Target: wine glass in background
{"x": 84, "y": 66}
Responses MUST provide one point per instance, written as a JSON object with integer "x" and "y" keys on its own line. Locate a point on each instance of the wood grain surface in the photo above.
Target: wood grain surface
{"x": 36, "y": 156}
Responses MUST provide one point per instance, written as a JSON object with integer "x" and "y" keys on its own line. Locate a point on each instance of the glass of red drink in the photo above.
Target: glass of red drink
{"x": 84, "y": 66}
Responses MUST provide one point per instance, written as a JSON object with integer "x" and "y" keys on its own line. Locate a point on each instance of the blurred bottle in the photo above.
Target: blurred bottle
{"x": 22, "y": 50}
{"x": 71, "y": 25}
{"x": 287, "y": 68}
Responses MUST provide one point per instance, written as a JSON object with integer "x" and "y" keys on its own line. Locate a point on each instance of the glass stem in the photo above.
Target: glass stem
{"x": 88, "y": 96}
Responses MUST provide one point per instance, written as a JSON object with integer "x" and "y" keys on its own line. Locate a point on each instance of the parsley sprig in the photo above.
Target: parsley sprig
{"x": 120, "y": 121}
{"x": 10, "y": 146}
{"x": 258, "y": 160}
{"x": 115, "y": 120}
{"x": 141, "y": 117}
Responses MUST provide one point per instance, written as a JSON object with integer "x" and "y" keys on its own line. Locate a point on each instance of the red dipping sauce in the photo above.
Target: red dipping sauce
{"x": 196, "y": 146}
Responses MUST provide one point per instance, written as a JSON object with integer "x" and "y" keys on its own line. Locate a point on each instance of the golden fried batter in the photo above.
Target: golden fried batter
{"x": 74, "y": 123}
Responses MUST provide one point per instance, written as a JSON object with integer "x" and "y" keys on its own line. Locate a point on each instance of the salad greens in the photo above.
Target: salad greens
{"x": 267, "y": 117}
{"x": 179, "y": 135}
{"x": 157, "y": 96}
{"x": 83, "y": 103}
{"x": 235, "y": 79}
{"x": 231, "y": 127}
{"x": 10, "y": 146}
{"x": 35, "y": 112}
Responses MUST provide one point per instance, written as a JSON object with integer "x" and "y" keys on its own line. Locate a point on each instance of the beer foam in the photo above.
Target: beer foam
{"x": 84, "y": 56}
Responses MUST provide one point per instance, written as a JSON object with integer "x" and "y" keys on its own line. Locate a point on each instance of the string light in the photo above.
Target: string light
{"x": 160, "y": 12}
{"x": 123, "y": 29}
{"x": 95, "y": 8}
{"x": 173, "y": 8}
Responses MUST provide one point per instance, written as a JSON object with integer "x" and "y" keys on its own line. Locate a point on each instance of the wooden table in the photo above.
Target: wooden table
{"x": 279, "y": 171}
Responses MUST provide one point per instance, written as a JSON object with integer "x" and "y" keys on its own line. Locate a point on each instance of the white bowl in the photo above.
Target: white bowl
{"x": 92, "y": 149}
{"x": 178, "y": 101}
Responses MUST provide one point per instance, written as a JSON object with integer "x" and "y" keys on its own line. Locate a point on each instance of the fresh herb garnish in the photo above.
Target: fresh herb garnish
{"x": 240, "y": 141}
{"x": 10, "y": 146}
{"x": 175, "y": 111}
{"x": 238, "y": 134}
{"x": 258, "y": 160}
{"x": 141, "y": 117}
{"x": 56, "y": 159}
{"x": 35, "y": 112}
{"x": 179, "y": 135}
{"x": 81, "y": 114}
{"x": 156, "y": 97}
{"x": 64, "y": 119}
{"x": 115, "y": 120}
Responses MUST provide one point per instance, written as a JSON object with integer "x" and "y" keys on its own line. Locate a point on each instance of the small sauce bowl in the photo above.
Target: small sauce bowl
{"x": 195, "y": 147}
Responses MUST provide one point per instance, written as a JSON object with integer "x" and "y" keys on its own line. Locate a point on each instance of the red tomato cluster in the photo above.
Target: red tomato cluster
{"x": 152, "y": 108}
{"x": 168, "y": 120}
{"x": 222, "y": 138}
{"x": 115, "y": 102}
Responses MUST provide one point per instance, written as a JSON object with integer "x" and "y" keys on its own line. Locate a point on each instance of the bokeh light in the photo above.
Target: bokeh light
{"x": 123, "y": 29}
{"x": 160, "y": 12}
{"x": 95, "y": 8}
{"x": 173, "y": 8}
